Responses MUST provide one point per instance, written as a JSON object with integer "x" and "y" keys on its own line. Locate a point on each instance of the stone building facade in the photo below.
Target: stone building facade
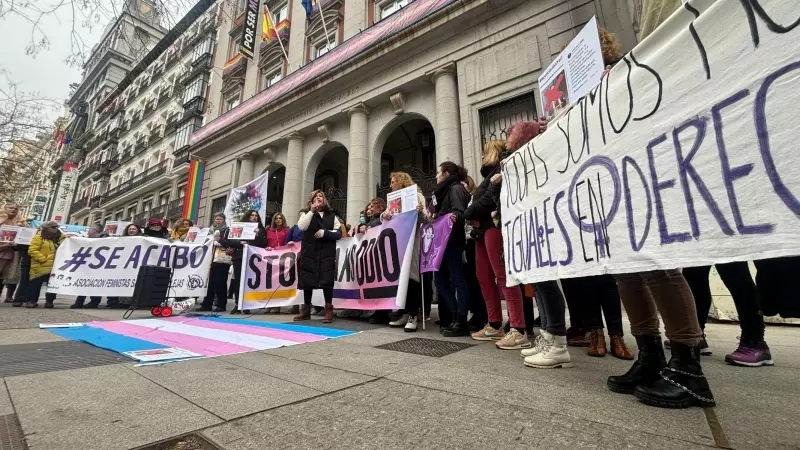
{"x": 397, "y": 85}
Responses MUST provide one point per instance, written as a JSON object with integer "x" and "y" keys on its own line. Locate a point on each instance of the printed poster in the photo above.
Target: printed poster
{"x": 252, "y": 195}
{"x": 403, "y": 200}
{"x": 573, "y": 73}
{"x": 8, "y": 234}
{"x": 161, "y": 354}
{"x": 196, "y": 235}
{"x": 433, "y": 237}
{"x": 25, "y": 236}
{"x": 243, "y": 231}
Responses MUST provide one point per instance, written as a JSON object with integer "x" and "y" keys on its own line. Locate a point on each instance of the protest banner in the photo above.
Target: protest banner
{"x": 25, "y": 236}
{"x": 196, "y": 235}
{"x": 252, "y": 195}
{"x": 684, "y": 154}
{"x": 244, "y": 231}
{"x": 372, "y": 270}
{"x": 573, "y": 73}
{"x": 115, "y": 228}
{"x": 8, "y": 234}
{"x": 109, "y": 266}
{"x": 433, "y": 238}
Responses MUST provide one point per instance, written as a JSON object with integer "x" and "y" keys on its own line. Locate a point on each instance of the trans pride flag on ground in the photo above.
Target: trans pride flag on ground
{"x": 177, "y": 338}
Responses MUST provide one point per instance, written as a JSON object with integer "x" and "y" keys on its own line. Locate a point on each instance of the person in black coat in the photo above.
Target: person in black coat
{"x": 316, "y": 263}
{"x": 451, "y": 198}
{"x": 238, "y": 253}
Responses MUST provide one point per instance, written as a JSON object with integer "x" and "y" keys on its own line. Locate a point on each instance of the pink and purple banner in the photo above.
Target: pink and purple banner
{"x": 372, "y": 270}
{"x": 433, "y": 238}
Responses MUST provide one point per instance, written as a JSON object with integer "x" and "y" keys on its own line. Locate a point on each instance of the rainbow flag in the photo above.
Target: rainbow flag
{"x": 193, "y": 186}
{"x": 268, "y": 30}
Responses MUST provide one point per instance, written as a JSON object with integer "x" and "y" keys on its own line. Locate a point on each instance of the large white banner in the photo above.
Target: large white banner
{"x": 66, "y": 190}
{"x": 252, "y": 195}
{"x": 109, "y": 266}
{"x": 685, "y": 154}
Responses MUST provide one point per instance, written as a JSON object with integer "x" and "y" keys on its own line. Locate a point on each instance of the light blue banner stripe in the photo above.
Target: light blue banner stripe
{"x": 319, "y": 331}
{"x": 105, "y": 339}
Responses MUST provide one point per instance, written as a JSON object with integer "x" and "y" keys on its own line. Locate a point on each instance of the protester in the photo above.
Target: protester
{"x": 155, "y": 228}
{"x": 484, "y": 217}
{"x": 752, "y": 351}
{"x": 181, "y": 230}
{"x": 410, "y": 313}
{"x": 278, "y": 232}
{"x": 238, "y": 253}
{"x": 450, "y": 199}
{"x": 477, "y": 305}
{"x": 24, "y": 275}
{"x": 218, "y": 277}
{"x": 9, "y": 258}
{"x": 295, "y": 234}
{"x": 550, "y": 347}
{"x": 93, "y": 232}
{"x": 42, "y": 252}
{"x": 375, "y": 208}
{"x": 316, "y": 263}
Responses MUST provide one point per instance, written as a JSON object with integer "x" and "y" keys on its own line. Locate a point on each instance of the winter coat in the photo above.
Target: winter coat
{"x": 316, "y": 265}
{"x": 295, "y": 234}
{"x": 485, "y": 201}
{"x": 237, "y": 246}
{"x": 276, "y": 237}
{"x": 43, "y": 253}
{"x": 222, "y": 255}
{"x": 452, "y": 198}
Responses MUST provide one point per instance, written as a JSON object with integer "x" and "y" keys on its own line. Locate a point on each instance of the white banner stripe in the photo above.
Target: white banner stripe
{"x": 230, "y": 337}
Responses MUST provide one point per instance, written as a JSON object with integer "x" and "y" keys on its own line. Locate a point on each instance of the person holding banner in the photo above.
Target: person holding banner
{"x": 42, "y": 252}
{"x": 408, "y": 319}
{"x": 316, "y": 262}
{"x": 218, "y": 277}
{"x": 483, "y": 215}
{"x": 155, "y": 228}
{"x": 450, "y": 198}
{"x": 277, "y": 234}
{"x": 9, "y": 258}
{"x": 181, "y": 230}
{"x": 238, "y": 252}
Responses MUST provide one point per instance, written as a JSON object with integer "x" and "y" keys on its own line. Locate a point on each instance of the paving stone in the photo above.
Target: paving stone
{"x": 27, "y": 336}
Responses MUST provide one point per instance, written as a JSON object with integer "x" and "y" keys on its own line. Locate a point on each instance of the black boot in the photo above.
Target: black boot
{"x": 645, "y": 369}
{"x": 459, "y": 328}
{"x": 681, "y": 384}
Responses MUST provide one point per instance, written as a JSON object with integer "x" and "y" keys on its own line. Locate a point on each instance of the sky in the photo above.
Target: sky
{"x": 47, "y": 72}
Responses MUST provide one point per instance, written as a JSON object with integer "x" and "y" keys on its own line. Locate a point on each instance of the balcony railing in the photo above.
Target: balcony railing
{"x": 181, "y": 157}
{"x": 80, "y": 204}
{"x": 141, "y": 145}
{"x": 164, "y": 97}
{"x": 175, "y": 208}
{"x": 95, "y": 201}
{"x": 155, "y": 137}
{"x": 89, "y": 169}
{"x": 126, "y": 155}
{"x": 137, "y": 180}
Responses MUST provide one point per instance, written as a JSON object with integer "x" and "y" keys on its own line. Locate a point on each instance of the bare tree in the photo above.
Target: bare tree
{"x": 24, "y": 128}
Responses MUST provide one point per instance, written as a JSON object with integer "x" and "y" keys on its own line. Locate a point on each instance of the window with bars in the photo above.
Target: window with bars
{"x": 217, "y": 206}
{"x": 495, "y": 119}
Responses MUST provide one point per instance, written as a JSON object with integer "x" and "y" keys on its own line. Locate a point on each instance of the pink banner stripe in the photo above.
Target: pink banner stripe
{"x": 248, "y": 329}
{"x": 203, "y": 346}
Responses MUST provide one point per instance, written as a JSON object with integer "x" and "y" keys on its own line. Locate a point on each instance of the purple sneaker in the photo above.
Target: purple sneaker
{"x": 750, "y": 355}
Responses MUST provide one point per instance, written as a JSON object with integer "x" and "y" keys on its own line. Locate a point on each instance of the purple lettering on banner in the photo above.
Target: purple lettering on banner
{"x": 628, "y": 161}
{"x": 133, "y": 259}
{"x": 99, "y": 255}
{"x": 114, "y": 256}
{"x": 433, "y": 240}
{"x": 658, "y": 186}
{"x": 568, "y": 260}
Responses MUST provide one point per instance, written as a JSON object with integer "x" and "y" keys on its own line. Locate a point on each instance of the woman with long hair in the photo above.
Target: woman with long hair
{"x": 450, "y": 198}
{"x": 278, "y": 231}
{"x": 483, "y": 215}
{"x": 238, "y": 252}
{"x": 409, "y": 314}
{"x": 181, "y": 230}
{"x": 316, "y": 263}
{"x": 11, "y": 254}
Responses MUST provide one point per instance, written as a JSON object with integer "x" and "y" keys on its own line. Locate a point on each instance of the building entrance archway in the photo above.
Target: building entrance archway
{"x": 331, "y": 177}
{"x": 410, "y": 147}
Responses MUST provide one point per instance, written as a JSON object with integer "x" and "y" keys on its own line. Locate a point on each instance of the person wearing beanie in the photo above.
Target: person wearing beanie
{"x": 155, "y": 228}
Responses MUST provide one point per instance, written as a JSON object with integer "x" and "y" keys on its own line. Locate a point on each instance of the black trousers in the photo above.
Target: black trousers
{"x": 309, "y": 293}
{"x": 35, "y": 288}
{"x": 594, "y": 297}
{"x": 527, "y": 309}
{"x": 476, "y": 303}
{"x": 92, "y": 300}
{"x": 414, "y": 297}
{"x": 24, "y": 279}
{"x": 237, "y": 269}
{"x": 736, "y": 277}
{"x": 217, "y": 286}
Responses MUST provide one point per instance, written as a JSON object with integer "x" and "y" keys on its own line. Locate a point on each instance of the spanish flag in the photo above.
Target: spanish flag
{"x": 268, "y": 31}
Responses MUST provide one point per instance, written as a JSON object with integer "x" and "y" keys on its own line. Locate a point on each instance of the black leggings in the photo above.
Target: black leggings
{"x": 326, "y": 292}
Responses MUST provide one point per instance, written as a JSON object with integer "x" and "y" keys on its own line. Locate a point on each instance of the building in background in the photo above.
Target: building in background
{"x": 125, "y": 41}
{"x": 374, "y": 86}
{"x": 35, "y": 188}
{"x": 137, "y": 166}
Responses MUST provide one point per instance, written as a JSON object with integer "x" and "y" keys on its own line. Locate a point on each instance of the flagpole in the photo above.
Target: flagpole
{"x": 275, "y": 27}
{"x": 324, "y": 27}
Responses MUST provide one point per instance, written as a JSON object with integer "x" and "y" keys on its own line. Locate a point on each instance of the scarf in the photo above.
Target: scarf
{"x": 51, "y": 235}
{"x": 443, "y": 188}
{"x": 179, "y": 233}
{"x": 219, "y": 227}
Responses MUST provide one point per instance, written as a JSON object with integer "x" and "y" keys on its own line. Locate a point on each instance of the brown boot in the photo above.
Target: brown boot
{"x": 619, "y": 349}
{"x": 577, "y": 338}
{"x": 305, "y": 314}
{"x": 295, "y": 309}
{"x": 597, "y": 343}
{"x": 328, "y": 313}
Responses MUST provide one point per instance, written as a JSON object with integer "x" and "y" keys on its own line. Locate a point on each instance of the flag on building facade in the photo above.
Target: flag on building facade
{"x": 308, "y": 5}
{"x": 269, "y": 29}
{"x": 194, "y": 184}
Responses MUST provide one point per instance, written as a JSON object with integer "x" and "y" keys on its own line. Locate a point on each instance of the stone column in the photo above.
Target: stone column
{"x": 358, "y": 163}
{"x": 246, "y": 165}
{"x": 448, "y": 122}
{"x": 293, "y": 195}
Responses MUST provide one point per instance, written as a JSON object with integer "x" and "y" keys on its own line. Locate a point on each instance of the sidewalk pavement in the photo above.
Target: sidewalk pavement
{"x": 346, "y": 393}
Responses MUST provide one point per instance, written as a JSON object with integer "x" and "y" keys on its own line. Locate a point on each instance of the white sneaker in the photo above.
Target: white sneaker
{"x": 411, "y": 325}
{"x": 538, "y": 343}
{"x": 554, "y": 354}
{"x": 401, "y": 322}
{"x": 513, "y": 340}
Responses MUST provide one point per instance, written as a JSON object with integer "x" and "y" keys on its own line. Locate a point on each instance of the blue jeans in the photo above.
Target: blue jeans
{"x": 451, "y": 282}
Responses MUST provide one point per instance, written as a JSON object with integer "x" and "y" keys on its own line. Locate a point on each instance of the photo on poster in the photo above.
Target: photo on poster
{"x": 8, "y": 234}
{"x": 556, "y": 95}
